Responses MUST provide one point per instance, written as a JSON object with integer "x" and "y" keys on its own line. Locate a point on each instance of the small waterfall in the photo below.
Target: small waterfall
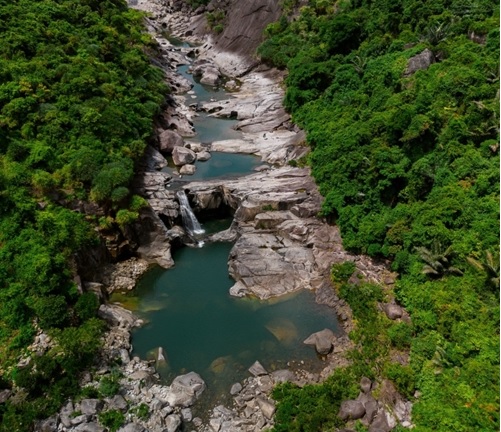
{"x": 190, "y": 221}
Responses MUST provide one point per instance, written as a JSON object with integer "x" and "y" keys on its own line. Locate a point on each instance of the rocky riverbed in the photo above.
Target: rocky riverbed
{"x": 281, "y": 246}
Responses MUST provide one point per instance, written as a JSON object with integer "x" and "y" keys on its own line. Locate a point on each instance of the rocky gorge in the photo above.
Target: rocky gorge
{"x": 281, "y": 245}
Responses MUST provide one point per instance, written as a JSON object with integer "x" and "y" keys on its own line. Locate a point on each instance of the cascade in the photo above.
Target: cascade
{"x": 190, "y": 221}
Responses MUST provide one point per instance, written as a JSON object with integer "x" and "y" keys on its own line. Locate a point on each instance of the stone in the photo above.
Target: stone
{"x": 187, "y": 169}
{"x": 380, "y": 424}
{"x": 185, "y": 390}
{"x": 83, "y": 418}
{"x": 152, "y": 159}
{"x": 393, "y": 311}
{"x": 420, "y": 61}
{"x": 282, "y": 375}
{"x": 257, "y": 369}
{"x": 132, "y": 427}
{"x": 365, "y": 384}
{"x": 116, "y": 316}
{"x": 266, "y": 406}
{"x": 183, "y": 156}
{"x": 65, "y": 415}
{"x": 117, "y": 402}
{"x": 156, "y": 405}
{"x": 235, "y": 389}
{"x": 90, "y": 406}
{"x": 322, "y": 341}
{"x": 89, "y": 427}
{"x": 351, "y": 410}
{"x": 47, "y": 425}
{"x": 168, "y": 140}
{"x": 5, "y": 395}
{"x": 203, "y": 156}
{"x": 172, "y": 423}
{"x": 187, "y": 414}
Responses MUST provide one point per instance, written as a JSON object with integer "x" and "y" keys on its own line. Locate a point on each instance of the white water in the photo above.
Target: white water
{"x": 190, "y": 221}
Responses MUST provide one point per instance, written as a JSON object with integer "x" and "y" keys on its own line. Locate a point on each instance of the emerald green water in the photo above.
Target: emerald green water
{"x": 190, "y": 314}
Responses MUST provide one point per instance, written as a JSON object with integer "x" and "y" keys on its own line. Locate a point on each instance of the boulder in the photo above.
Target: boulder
{"x": 187, "y": 169}
{"x": 210, "y": 76}
{"x": 172, "y": 423}
{"x": 266, "y": 406}
{"x": 47, "y": 425}
{"x": 185, "y": 390}
{"x": 380, "y": 424}
{"x": 90, "y": 406}
{"x": 282, "y": 375}
{"x": 117, "y": 402}
{"x": 168, "y": 140}
{"x": 203, "y": 156}
{"x": 88, "y": 427}
{"x": 117, "y": 316}
{"x": 420, "y": 61}
{"x": 257, "y": 369}
{"x": 365, "y": 384}
{"x": 187, "y": 414}
{"x": 351, "y": 410}
{"x": 393, "y": 311}
{"x": 322, "y": 341}
{"x": 183, "y": 156}
{"x": 235, "y": 389}
{"x": 152, "y": 160}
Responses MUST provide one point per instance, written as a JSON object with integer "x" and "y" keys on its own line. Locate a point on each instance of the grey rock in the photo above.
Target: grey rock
{"x": 132, "y": 427}
{"x": 187, "y": 169}
{"x": 168, "y": 140}
{"x": 183, "y": 156}
{"x": 257, "y": 369}
{"x": 117, "y": 316}
{"x": 266, "y": 406}
{"x": 187, "y": 414}
{"x": 203, "y": 156}
{"x": 90, "y": 406}
{"x": 185, "y": 390}
{"x": 47, "y": 425}
{"x": 420, "y": 61}
{"x": 66, "y": 414}
{"x": 89, "y": 427}
{"x": 156, "y": 405}
{"x": 393, "y": 311}
{"x": 351, "y": 410}
{"x": 172, "y": 423}
{"x": 117, "y": 402}
{"x": 215, "y": 424}
{"x": 365, "y": 384}
{"x": 380, "y": 424}
{"x": 282, "y": 375}
{"x": 83, "y": 418}
{"x": 152, "y": 160}
{"x": 235, "y": 389}
{"x": 322, "y": 341}
{"x": 5, "y": 395}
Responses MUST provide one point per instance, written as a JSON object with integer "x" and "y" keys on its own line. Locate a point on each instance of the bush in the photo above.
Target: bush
{"x": 342, "y": 272}
{"x": 111, "y": 419}
{"x": 109, "y": 384}
{"x": 400, "y": 335}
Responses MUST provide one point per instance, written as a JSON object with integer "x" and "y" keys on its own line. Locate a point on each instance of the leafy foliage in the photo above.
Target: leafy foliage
{"x": 77, "y": 99}
{"x": 408, "y": 163}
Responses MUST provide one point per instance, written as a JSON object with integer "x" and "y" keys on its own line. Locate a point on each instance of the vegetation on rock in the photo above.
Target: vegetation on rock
{"x": 400, "y": 101}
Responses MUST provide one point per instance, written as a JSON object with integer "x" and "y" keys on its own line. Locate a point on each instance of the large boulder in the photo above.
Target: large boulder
{"x": 185, "y": 390}
{"x": 351, "y": 410}
{"x": 188, "y": 169}
{"x": 257, "y": 369}
{"x": 393, "y": 311}
{"x": 168, "y": 140}
{"x": 183, "y": 156}
{"x": 90, "y": 406}
{"x": 172, "y": 423}
{"x": 322, "y": 341}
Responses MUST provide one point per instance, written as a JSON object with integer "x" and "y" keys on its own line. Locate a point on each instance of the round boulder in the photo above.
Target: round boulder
{"x": 168, "y": 140}
{"x": 351, "y": 410}
{"x": 322, "y": 341}
{"x": 183, "y": 156}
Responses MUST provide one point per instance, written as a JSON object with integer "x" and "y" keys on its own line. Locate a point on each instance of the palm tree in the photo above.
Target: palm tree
{"x": 488, "y": 265}
{"x": 437, "y": 260}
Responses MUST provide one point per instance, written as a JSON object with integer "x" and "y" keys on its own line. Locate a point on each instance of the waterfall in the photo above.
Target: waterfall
{"x": 190, "y": 221}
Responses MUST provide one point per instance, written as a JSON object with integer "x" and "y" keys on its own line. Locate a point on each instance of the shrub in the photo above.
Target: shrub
{"x": 112, "y": 419}
{"x": 342, "y": 272}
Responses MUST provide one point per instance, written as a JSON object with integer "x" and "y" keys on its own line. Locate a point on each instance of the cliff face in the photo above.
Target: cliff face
{"x": 244, "y": 24}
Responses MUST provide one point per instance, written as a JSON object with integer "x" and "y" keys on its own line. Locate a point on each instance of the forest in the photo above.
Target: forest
{"x": 77, "y": 100}
{"x": 408, "y": 163}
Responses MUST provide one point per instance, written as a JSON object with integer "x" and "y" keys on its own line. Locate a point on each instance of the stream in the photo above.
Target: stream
{"x": 188, "y": 311}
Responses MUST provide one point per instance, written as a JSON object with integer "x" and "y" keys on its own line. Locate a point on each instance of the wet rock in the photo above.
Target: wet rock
{"x": 235, "y": 389}
{"x": 351, "y": 410}
{"x": 322, "y": 341}
{"x": 169, "y": 140}
{"x": 203, "y": 156}
{"x": 257, "y": 369}
{"x": 183, "y": 156}
{"x": 187, "y": 169}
